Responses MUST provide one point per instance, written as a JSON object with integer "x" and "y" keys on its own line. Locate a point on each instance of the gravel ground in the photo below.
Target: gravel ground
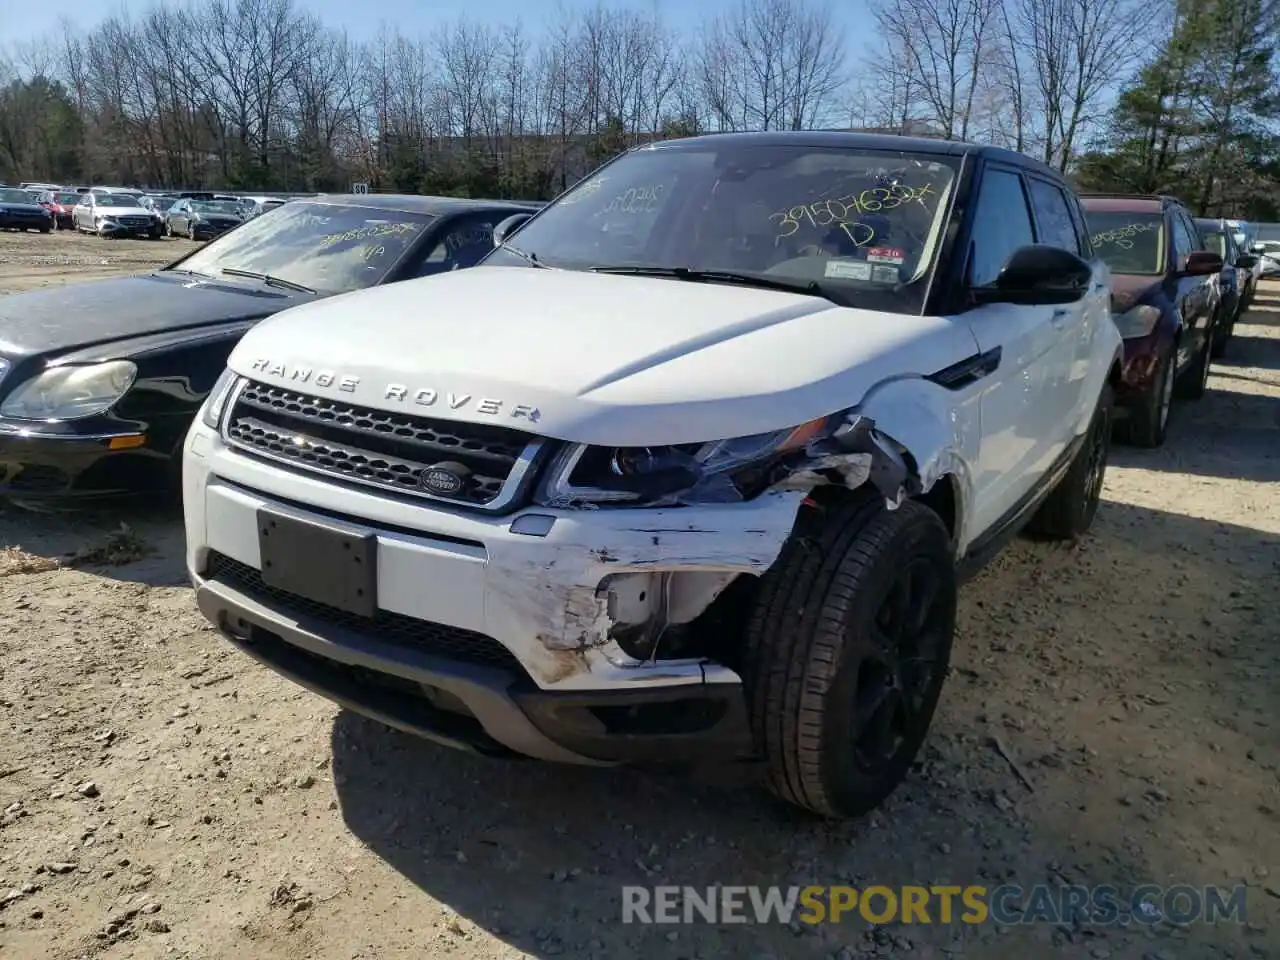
{"x": 163, "y": 796}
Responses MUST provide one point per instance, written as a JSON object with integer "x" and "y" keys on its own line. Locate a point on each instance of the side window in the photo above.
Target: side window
{"x": 1053, "y": 216}
{"x": 1001, "y": 224}
{"x": 462, "y": 244}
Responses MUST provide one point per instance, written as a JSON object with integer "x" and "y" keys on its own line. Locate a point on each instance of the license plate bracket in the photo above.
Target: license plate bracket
{"x": 322, "y": 562}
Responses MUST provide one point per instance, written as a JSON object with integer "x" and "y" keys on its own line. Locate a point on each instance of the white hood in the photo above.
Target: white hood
{"x": 602, "y": 359}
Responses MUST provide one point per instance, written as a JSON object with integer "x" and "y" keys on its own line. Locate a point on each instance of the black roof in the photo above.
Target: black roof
{"x": 852, "y": 139}
{"x": 413, "y": 203}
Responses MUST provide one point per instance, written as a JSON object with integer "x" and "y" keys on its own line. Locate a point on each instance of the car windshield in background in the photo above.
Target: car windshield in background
{"x": 863, "y": 226}
{"x": 1131, "y": 243}
{"x": 117, "y": 200}
{"x": 323, "y": 246}
{"x": 224, "y": 207}
{"x": 15, "y": 196}
{"x": 1216, "y": 241}
{"x": 66, "y": 199}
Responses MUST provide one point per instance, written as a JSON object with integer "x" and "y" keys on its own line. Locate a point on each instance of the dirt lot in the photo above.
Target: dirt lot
{"x": 163, "y": 796}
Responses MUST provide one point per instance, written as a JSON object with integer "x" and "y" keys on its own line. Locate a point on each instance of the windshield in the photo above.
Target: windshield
{"x": 1131, "y": 243}
{"x": 327, "y": 247}
{"x": 117, "y": 200}
{"x": 67, "y": 199}
{"x": 216, "y": 206}
{"x": 1214, "y": 241}
{"x": 864, "y": 225}
{"x": 14, "y": 196}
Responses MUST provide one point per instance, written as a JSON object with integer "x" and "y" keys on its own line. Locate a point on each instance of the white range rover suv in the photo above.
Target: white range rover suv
{"x": 688, "y": 469}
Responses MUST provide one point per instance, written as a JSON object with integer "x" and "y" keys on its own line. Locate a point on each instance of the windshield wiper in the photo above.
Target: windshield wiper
{"x": 267, "y": 278}
{"x": 529, "y": 258}
{"x": 811, "y": 287}
{"x": 189, "y": 273}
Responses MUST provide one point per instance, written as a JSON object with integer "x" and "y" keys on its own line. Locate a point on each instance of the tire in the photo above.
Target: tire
{"x": 1069, "y": 510}
{"x": 1193, "y": 384}
{"x": 45, "y": 229}
{"x": 1148, "y": 421}
{"x": 817, "y": 643}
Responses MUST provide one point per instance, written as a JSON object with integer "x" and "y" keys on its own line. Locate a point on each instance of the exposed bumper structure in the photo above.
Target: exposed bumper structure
{"x": 501, "y": 634}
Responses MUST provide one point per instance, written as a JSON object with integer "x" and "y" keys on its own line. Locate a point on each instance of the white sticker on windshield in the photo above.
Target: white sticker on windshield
{"x": 881, "y": 274}
{"x": 848, "y": 270}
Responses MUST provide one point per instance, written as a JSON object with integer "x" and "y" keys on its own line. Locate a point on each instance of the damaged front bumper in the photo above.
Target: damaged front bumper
{"x": 550, "y": 633}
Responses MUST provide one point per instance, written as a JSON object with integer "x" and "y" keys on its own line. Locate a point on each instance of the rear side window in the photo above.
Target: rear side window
{"x": 1001, "y": 224}
{"x": 1053, "y": 216}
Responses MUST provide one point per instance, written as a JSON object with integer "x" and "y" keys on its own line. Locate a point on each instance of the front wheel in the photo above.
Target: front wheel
{"x": 847, "y": 649}
{"x": 1069, "y": 510}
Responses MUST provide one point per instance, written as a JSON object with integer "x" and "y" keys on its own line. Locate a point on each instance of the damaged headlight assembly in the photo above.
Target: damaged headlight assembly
{"x": 843, "y": 449}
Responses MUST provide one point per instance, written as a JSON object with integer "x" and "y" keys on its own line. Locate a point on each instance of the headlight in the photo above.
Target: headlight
{"x": 721, "y": 471}
{"x": 71, "y": 392}
{"x": 216, "y": 402}
{"x": 1137, "y": 321}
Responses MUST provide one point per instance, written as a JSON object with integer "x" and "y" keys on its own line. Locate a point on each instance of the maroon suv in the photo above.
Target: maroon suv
{"x": 1166, "y": 301}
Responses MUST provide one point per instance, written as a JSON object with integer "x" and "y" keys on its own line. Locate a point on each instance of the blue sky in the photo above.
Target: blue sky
{"x": 20, "y": 19}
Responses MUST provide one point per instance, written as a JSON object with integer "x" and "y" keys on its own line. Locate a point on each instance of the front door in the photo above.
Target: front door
{"x": 1021, "y": 422}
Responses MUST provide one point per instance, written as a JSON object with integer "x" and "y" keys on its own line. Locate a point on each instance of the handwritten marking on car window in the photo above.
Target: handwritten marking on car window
{"x": 1122, "y": 237}
{"x": 476, "y": 236}
{"x": 636, "y": 200}
{"x": 367, "y": 233}
{"x": 790, "y": 222}
{"x": 587, "y": 190}
{"x": 843, "y": 212}
{"x": 371, "y": 251}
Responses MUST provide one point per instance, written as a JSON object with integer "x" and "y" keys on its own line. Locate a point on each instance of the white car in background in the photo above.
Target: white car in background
{"x": 1268, "y": 252}
{"x": 689, "y": 468}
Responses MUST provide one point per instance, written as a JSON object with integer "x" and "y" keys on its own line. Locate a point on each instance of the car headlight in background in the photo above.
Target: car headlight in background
{"x": 216, "y": 402}
{"x": 721, "y": 471}
{"x": 1137, "y": 321}
{"x": 71, "y": 392}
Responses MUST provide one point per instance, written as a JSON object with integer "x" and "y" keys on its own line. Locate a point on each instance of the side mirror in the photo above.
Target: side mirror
{"x": 1038, "y": 275}
{"x": 1246, "y": 261}
{"x": 1201, "y": 263}
{"x": 507, "y": 227}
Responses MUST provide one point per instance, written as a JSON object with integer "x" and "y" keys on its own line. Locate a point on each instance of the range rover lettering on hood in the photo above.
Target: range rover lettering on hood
{"x": 422, "y": 396}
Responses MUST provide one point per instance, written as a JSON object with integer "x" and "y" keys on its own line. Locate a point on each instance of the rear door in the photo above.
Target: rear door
{"x": 1195, "y": 295}
{"x": 1021, "y": 422}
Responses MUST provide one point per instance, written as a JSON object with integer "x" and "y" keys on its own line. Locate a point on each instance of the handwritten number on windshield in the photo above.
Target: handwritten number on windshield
{"x": 844, "y": 211}
{"x": 1122, "y": 237}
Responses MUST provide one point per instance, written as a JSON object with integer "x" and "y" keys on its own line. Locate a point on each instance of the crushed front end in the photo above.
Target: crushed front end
{"x": 453, "y": 580}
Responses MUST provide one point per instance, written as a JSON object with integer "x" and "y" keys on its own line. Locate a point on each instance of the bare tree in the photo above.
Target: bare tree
{"x": 772, "y": 64}
{"x": 945, "y": 44}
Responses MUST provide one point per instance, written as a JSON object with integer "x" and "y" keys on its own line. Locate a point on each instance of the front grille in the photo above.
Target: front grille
{"x": 394, "y": 629}
{"x": 381, "y": 449}
{"x": 132, "y": 221}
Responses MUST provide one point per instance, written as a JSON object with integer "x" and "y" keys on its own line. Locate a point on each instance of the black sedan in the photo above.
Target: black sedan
{"x": 20, "y": 211}
{"x": 202, "y": 219}
{"x": 99, "y": 381}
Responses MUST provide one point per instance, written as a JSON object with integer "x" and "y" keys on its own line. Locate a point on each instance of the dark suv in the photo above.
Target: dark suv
{"x": 1166, "y": 300}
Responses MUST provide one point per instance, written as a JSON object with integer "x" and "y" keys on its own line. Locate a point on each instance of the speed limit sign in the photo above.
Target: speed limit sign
{"x": 359, "y": 188}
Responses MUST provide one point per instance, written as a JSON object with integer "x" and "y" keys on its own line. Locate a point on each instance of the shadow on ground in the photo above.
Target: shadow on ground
{"x": 508, "y": 845}
{"x": 133, "y": 542}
